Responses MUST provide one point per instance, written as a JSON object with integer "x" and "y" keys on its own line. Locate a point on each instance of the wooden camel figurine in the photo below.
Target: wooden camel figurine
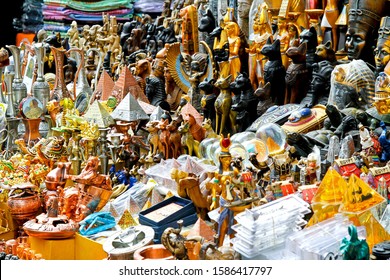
{"x": 189, "y": 187}
{"x": 223, "y": 106}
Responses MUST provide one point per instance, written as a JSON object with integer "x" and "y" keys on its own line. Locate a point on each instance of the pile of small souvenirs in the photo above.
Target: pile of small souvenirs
{"x": 265, "y": 136}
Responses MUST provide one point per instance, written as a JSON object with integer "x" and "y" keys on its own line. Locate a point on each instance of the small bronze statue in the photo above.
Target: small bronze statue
{"x": 225, "y": 118}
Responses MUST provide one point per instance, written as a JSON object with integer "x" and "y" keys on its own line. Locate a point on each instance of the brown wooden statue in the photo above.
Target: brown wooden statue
{"x": 196, "y": 129}
{"x": 174, "y": 138}
{"x": 297, "y": 77}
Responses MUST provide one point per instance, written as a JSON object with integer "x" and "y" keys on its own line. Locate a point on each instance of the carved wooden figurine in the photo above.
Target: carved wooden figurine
{"x": 174, "y": 138}
{"x": 297, "y": 78}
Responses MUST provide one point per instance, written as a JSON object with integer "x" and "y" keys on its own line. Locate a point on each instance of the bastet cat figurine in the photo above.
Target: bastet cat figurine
{"x": 274, "y": 71}
{"x": 297, "y": 78}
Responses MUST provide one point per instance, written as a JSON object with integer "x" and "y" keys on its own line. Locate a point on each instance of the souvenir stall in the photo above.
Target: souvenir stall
{"x": 217, "y": 130}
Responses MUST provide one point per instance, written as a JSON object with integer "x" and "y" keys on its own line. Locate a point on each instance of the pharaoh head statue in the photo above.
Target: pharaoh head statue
{"x": 382, "y": 50}
{"x": 363, "y": 23}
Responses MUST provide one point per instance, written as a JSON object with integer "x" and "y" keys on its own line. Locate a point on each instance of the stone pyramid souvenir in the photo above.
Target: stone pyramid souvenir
{"x": 99, "y": 115}
{"x": 104, "y": 87}
{"x": 133, "y": 206}
{"x": 331, "y": 189}
{"x": 127, "y": 83}
{"x": 200, "y": 228}
{"x": 147, "y": 205}
{"x": 155, "y": 197}
{"x": 157, "y": 113}
{"x": 148, "y": 108}
{"x": 192, "y": 166}
{"x": 129, "y": 110}
{"x": 359, "y": 197}
{"x": 127, "y": 220}
{"x": 113, "y": 211}
{"x": 188, "y": 109}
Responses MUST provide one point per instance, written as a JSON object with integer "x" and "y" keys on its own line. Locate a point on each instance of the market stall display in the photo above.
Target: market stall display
{"x": 180, "y": 137}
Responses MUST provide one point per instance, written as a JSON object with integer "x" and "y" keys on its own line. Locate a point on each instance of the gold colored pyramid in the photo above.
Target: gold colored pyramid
{"x": 322, "y": 212}
{"x": 147, "y": 205}
{"x": 331, "y": 189}
{"x": 168, "y": 195}
{"x": 359, "y": 197}
{"x": 376, "y": 233}
{"x": 272, "y": 146}
{"x": 127, "y": 220}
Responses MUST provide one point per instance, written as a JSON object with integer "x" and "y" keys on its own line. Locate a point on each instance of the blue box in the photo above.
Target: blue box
{"x": 184, "y": 208}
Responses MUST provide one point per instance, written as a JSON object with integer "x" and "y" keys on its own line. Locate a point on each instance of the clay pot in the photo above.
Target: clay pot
{"x": 23, "y": 202}
{"x": 153, "y": 252}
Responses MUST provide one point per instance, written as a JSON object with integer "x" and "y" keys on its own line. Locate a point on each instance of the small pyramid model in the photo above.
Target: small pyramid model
{"x": 104, "y": 86}
{"x": 127, "y": 83}
{"x": 359, "y": 197}
{"x": 148, "y": 108}
{"x": 200, "y": 228}
{"x": 133, "y": 206}
{"x": 127, "y": 220}
{"x": 168, "y": 195}
{"x": 155, "y": 197}
{"x": 129, "y": 110}
{"x": 113, "y": 211}
{"x": 147, "y": 205}
{"x": 376, "y": 233}
{"x": 322, "y": 212}
{"x": 188, "y": 109}
{"x": 99, "y": 115}
{"x": 331, "y": 189}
